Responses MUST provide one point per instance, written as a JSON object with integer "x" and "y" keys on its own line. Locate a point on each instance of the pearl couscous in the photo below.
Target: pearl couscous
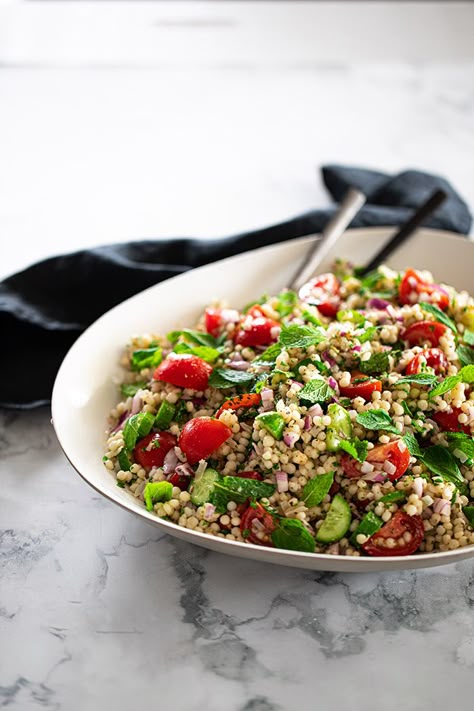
{"x": 338, "y": 420}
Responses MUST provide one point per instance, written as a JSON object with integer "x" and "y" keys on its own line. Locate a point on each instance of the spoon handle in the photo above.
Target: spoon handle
{"x": 349, "y": 207}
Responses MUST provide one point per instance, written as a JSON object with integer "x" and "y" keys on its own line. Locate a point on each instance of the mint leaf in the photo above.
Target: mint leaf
{"x": 377, "y": 363}
{"x": 296, "y": 336}
{"x": 439, "y": 315}
{"x": 269, "y": 356}
{"x": 238, "y": 489}
{"x": 461, "y": 442}
{"x": 292, "y": 535}
{"x": 286, "y": 303}
{"x": 136, "y": 427}
{"x": 465, "y": 355}
{"x": 467, "y": 374}
{"x": 131, "y": 389}
{"x": 227, "y": 378}
{"x": 445, "y": 385}
{"x": 371, "y": 279}
{"x": 351, "y": 315}
{"x": 124, "y": 460}
{"x": 419, "y": 379}
{"x": 356, "y": 448}
{"x": 376, "y": 420}
{"x": 156, "y": 491}
{"x": 164, "y": 416}
{"x": 146, "y": 358}
{"x": 316, "y": 489}
{"x": 369, "y": 525}
{"x": 273, "y": 422}
{"x": 199, "y": 337}
{"x": 468, "y": 512}
{"x": 440, "y": 461}
{"x": 310, "y": 317}
{"x": 210, "y": 355}
{"x": 367, "y": 335}
{"x": 468, "y": 337}
{"x": 412, "y": 445}
{"x": 393, "y": 497}
{"x": 314, "y": 391}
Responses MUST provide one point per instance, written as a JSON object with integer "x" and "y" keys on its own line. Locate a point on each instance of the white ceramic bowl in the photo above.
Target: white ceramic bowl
{"x": 84, "y": 391}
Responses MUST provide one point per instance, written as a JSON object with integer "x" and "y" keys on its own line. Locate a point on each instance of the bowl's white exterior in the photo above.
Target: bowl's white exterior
{"x": 85, "y": 389}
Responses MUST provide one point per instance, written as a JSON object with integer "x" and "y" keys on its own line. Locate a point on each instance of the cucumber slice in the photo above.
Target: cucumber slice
{"x": 165, "y": 415}
{"x": 337, "y": 521}
{"x": 203, "y": 487}
{"x": 340, "y": 428}
{"x": 369, "y": 525}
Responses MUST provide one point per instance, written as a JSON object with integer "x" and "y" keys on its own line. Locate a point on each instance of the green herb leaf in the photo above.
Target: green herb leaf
{"x": 310, "y": 317}
{"x": 273, "y": 422}
{"x": 238, "y": 489}
{"x": 315, "y": 391}
{"x": 369, "y": 525}
{"x": 131, "y": 389}
{"x": 156, "y": 491}
{"x": 124, "y": 460}
{"x": 468, "y": 512}
{"x": 164, "y": 416}
{"x": 146, "y": 358}
{"x": 370, "y": 280}
{"x": 393, "y": 497}
{"x": 377, "y": 363}
{"x": 440, "y": 461}
{"x": 376, "y": 420}
{"x": 286, "y": 303}
{"x": 439, "y": 315}
{"x": 227, "y": 378}
{"x": 461, "y": 442}
{"x": 316, "y": 489}
{"x": 269, "y": 356}
{"x": 356, "y": 448}
{"x": 210, "y": 355}
{"x": 292, "y": 535}
{"x": 412, "y": 445}
{"x": 136, "y": 427}
{"x": 418, "y": 379}
{"x": 187, "y": 334}
{"x": 467, "y": 374}
{"x": 351, "y": 315}
{"x": 468, "y": 337}
{"x": 296, "y": 336}
{"x": 367, "y": 335}
{"x": 465, "y": 355}
{"x": 445, "y": 385}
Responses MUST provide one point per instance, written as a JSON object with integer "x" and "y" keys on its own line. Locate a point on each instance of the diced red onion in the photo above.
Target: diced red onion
{"x": 120, "y": 424}
{"x": 315, "y": 410}
{"x": 268, "y": 398}
{"x": 443, "y": 507}
{"x": 239, "y": 365}
{"x": 184, "y": 470}
{"x": 328, "y": 359}
{"x": 257, "y": 448}
{"x": 376, "y": 477}
{"x": 401, "y": 445}
{"x": 367, "y": 468}
{"x": 290, "y": 438}
{"x": 308, "y": 422}
{"x": 388, "y": 467}
{"x": 379, "y": 304}
{"x": 295, "y": 384}
{"x": 170, "y": 461}
{"x": 202, "y": 466}
{"x": 418, "y": 486}
{"x": 357, "y": 348}
{"x": 333, "y": 549}
{"x": 209, "y": 511}
{"x": 137, "y": 403}
{"x": 333, "y": 384}
{"x": 281, "y": 481}
{"x": 257, "y": 526}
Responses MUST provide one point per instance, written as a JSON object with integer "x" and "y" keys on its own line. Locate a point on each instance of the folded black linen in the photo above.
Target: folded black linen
{"x": 44, "y": 308}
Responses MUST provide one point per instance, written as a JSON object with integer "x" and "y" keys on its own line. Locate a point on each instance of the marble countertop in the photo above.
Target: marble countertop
{"x": 98, "y": 610}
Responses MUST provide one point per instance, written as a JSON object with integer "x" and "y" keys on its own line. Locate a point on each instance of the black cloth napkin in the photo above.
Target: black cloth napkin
{"x": 44, "y": 308}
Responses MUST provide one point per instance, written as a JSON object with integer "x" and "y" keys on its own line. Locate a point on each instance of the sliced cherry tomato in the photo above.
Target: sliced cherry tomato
{"x": 245, "y": 400}
{"x": 201, "y": 436}
{"x": 184, "y": 371}
{"x": 250, "y": 529}
{"x": 412, "y": 287}
{"x": 448, "y": 421}
{"x": 213, "y": 321}
{"x": 407, "y": 532}
{"x": 424, "y": 331}
{"x": 250, "y": 475}
{"x": 432, "y": 357}
{"x": 152, "y": 449}
{"x": 363, "y": 389}
{"x": 181, "y": 480}
{"x": 256, "y": 329}
{"x": 323, "y": 292}
{"x": 394, "y": 452}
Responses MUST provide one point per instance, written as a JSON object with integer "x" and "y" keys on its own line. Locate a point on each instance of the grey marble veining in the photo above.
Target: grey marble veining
{"x": 99, "y": 609}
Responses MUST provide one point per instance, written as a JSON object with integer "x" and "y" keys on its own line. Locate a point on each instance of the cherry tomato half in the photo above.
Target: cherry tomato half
{"x": 323, "y": 292}
{"x": 201, "y": 436}
{"x": 250, "y": 475}
{"x": 245, "y": 400}
{"x": 213, "y": 321}
{"x": 432, "y": 357}
{"x": 184, "y": 371}
{"x": 256, "y": 330}
{"x": 152, "y": 449}
{"x": 413, "y": 286}
{"x": 394, "y": 452}
{"x": 448, "y": 421}
{"x": 424, "y": 331}
{"x": 251, "y": 530}
{"x": 180, "y": 480}
{"x": 363, "y": 389}
{"x": 407, "y": 532}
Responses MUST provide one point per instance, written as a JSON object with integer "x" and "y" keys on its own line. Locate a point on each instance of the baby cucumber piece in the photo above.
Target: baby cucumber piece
{"x": 204, "y": 486}
{"x": 337, "y": 521}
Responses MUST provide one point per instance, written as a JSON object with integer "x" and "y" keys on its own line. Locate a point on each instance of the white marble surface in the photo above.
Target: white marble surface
{"x": 98, "y": 610}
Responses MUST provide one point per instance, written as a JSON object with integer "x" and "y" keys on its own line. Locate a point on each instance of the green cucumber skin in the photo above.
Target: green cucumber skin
{"x": 337, "y": 521}
{"x": 340, "y": 427}
{"x": 369, "y": 525}
{"x": 203, "y": 487}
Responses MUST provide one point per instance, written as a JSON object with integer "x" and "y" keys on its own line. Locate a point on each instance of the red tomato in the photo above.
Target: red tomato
{"x": 412, "y": 287}
{"x": 394, "y": 452}
{"x": 256, "y": 512}
{"x": 152, "y": 449}
{"x": 201, "y": 436}
{"x": 323, "y": 292}
{"x": 250, "y": 475}
{"x": 184, "y": 371}
{"x": 364, "y": 389}
{"x": 448, "y": 421}
{"x": 433, "y": 357}
{"x": 235, "y": 403}
{"x": 399, "y": 526}
{"x": 181, "y": 480}
{"x": 423, "y": 331}
{"x": 213, "y": 321}
{"x": 256, "y": 330}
